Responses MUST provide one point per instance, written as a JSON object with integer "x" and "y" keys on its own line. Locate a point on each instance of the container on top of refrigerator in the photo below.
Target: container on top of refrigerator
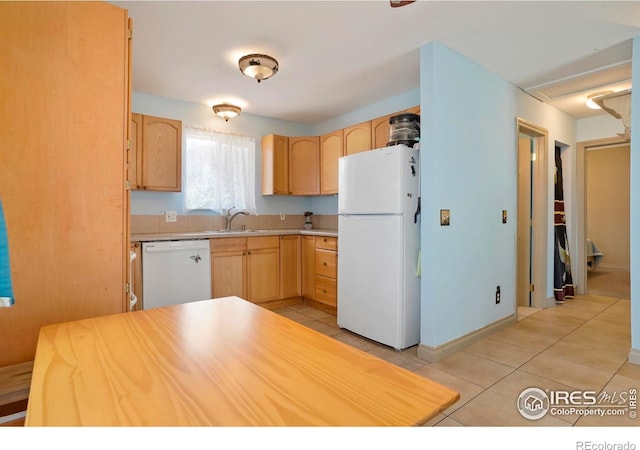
{"x": 404, "y": 129}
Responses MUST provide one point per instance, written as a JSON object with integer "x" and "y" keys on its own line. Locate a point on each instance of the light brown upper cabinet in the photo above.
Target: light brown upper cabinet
{"x": 134, "y": 155}
{"x": 357, "y": 138}
{"x": 380, "y": 131}
{"x": 156, "y": 148}
{"x": 380, "y": 127}
{"x": 331, "y": 148}
{"x": 304, "y": 162}
{"x": 275, "y": 165}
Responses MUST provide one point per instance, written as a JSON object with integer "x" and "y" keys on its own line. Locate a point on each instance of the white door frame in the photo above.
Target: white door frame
{"x": 540, "y": 206}
{"x": 581, "y": 205}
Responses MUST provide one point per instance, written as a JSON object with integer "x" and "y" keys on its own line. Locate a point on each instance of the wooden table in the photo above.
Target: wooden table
{"x": 224, "y": 362}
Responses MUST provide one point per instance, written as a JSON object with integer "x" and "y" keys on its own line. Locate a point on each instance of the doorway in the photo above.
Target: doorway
{"x": 604, "y": 213}
{"x": 532, "y": 206}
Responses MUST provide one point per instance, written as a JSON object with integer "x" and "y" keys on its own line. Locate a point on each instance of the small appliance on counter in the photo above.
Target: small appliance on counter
{"x": 307, "y": 220}
{"x": 404, "y": 129}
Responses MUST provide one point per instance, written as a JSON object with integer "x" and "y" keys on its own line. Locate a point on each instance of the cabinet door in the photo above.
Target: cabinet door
{"x": 304, "y": 162}
{"x": 228, "y": 274}
{"x": 275, "y": 165}
{"x": 290, "y": 261}
{"x": 134, "y": 155}
{"x": 263, "y": 275}
{"x": 63, "y": 181}
{"x": 357, "y": 138}
{"x": 161, "y": 154}
{"x": 380, "y": 131}
{"x": 331, "y": 148}
{"x": 308, "y": 266}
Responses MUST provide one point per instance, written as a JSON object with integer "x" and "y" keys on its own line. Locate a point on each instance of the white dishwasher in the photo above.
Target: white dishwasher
{"x": 175, "y": 272}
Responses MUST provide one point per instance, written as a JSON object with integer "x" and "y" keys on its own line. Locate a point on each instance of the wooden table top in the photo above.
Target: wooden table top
{"x": 222, "y": 362}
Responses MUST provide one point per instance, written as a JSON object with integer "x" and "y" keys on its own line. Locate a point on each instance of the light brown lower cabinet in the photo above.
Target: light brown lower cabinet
{"x": 247, "y": 267}
{"x": 136, "y": 274}
{"x": 308, "y": 266}
{"x": 228, "y": 267}
{"x": 290, "y": 260}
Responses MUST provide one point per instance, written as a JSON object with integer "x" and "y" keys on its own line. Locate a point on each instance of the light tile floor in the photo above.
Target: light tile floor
{"x": 583, "y": 344}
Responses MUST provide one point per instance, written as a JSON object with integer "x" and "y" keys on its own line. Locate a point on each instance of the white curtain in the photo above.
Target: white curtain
{"x": 220, "y": 171}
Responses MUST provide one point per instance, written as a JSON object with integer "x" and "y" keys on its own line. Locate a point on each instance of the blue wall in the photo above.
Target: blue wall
{"x": 469, "y": 165}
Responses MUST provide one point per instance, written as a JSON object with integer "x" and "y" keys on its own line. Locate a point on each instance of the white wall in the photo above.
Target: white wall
{"x": 598, "y": 127}
{"x": 469, "y": 165}
{"x": 200, "y": 115}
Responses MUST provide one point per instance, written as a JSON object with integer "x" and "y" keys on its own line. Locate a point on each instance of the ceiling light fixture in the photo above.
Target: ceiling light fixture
{"x": 593, "y": 105}
{"x": 226, "y": 111}
{"x": 258, "y": 66}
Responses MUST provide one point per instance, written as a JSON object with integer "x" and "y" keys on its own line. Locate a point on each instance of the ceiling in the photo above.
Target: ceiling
{"x": 338, "y": 56}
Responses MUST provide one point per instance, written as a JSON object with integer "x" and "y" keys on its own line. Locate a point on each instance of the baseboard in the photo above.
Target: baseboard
{"x": 634, "y": 356}
{"x": 435, "y": 354}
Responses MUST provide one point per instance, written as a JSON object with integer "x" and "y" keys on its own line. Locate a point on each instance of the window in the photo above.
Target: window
{"x": 220, "y": 171}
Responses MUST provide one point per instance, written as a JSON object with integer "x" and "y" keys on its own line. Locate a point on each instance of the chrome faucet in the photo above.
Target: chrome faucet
{"x": 229, "y": 217}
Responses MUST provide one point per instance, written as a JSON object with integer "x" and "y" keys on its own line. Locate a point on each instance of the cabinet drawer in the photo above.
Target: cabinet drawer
{"x": 326, "y": 291}
{"x": 327, "y": 243}
{"x": 228, "y": 244}
{"x": 326, "y": 263}
{"x": 258, "y": 242}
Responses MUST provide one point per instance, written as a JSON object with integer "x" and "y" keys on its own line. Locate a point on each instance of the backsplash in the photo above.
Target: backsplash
{"x": 191, "y": 223}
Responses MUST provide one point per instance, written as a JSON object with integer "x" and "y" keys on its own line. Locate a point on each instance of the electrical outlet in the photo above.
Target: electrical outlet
{"x": 170, "y": 216}
{"x": 497, "y": 295}
{"x": 282, "y": 216}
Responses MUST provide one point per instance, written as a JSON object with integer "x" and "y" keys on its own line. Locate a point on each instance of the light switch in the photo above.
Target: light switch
{"x": 504, "y": 216}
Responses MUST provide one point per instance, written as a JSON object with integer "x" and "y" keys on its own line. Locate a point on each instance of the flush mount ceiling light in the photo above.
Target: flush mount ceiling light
{"x": 258, "y": 66}
{"x": 593, "y": 105}
{"x": 226, "y": 111}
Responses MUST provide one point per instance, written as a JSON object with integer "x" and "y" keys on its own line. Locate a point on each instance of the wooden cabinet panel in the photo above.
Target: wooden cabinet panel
{"x": 263, "y": 275}
{"x": 326, "y": 263}
{"x": 161, "y": 154}
{"x": 65, "y": 117}
{"x": 260, "y": 242}
{"x": 327, "y": 242}
{"x": 380, "y": 131}
{"x": 290, "y": 261}
{"x": 134, "y": 160}
{"x": 228, "y": 244}
{"x": 304, "y": 162}
{"x": 357, "y": 138}
{"x": 228, "y": 274}
{"x": 275, "y": 165}
{"x": 308, "y": 266}
{"x": 326, "y": 291}
{"x": 331, "y": 148}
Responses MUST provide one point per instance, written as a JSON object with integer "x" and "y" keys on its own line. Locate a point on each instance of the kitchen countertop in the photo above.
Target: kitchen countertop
{"x": 147, "y": 237}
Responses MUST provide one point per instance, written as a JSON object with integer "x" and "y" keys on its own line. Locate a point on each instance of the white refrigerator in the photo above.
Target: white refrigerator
{"x": 379, "y": 240}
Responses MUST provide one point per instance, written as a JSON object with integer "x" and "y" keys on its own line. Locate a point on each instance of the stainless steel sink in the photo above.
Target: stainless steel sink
{"x": 237, "y": 231}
